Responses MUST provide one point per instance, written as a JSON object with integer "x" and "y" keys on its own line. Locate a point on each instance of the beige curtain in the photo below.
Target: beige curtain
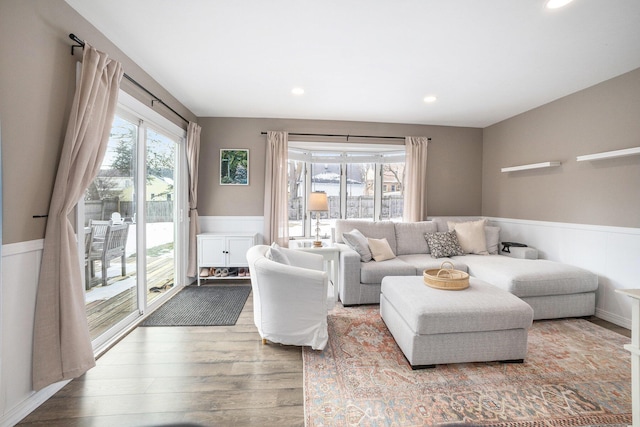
{"x": 415, "y": 182}
{"x": 193, "y": 154}
{"x": 61, "y": 341}
{"x": 276, "y": 221}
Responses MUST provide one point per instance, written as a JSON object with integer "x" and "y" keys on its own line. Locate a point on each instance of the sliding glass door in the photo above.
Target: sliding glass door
{"x": 130, "y": 225}
{"x": 111, "y": 271}
{"x": 161, "y": 176}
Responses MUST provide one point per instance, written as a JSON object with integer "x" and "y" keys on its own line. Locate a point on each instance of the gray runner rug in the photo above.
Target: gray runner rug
{"x": 212, "y": 305}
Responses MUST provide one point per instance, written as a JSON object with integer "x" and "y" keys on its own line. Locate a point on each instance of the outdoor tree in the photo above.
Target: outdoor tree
{"x": 296, "y": 210}
{"x": 397, "y": 171}
{"x": 103, "y": 187}
{"x": 159, "y": 159}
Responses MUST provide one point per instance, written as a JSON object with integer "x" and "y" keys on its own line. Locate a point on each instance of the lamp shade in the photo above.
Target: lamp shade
{"x": 318, "y": 202}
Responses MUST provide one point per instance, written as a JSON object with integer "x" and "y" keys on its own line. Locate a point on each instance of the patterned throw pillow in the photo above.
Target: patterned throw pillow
{"x": 443, "y": 244}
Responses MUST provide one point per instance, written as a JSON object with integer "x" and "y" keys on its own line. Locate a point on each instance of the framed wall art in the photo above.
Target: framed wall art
{"x": 234, "y": 167}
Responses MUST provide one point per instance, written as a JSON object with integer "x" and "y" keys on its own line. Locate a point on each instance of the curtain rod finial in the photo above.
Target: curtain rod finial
{"x": 79, "y": 42}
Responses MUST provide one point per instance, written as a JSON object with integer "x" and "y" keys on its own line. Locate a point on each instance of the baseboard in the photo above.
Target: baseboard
{"x": 30, "y": 404}
{"x": 613, "y": 318}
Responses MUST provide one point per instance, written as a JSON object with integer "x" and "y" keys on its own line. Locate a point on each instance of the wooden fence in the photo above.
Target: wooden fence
{"x": 357, "y": 207}
{"x": 157, "y": 211}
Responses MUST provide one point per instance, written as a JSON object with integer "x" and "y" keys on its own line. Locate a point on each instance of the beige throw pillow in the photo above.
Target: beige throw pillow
{"x": 471, "y": 236}
{"x": 380, "y": 249}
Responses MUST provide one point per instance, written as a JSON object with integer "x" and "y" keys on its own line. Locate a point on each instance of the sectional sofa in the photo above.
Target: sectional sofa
{"x": 552, "y": 289}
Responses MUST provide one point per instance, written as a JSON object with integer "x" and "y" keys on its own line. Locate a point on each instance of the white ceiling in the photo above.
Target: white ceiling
{"x": 372, "y": 60}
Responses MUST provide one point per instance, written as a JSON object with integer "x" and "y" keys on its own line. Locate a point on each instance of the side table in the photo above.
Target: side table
{"x": 331, "y": 255}
{"x": 634, "y": 349}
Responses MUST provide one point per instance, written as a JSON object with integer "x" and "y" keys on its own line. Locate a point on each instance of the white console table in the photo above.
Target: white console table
{"x": 634, "y": 349}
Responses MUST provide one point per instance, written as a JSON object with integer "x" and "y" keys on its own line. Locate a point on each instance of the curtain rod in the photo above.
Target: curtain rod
{"x": 345, "y": 136}
{"x": 155, "y": 98}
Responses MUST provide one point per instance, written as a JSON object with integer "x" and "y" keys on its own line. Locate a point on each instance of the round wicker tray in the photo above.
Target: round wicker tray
{"x": 446, "y": 278}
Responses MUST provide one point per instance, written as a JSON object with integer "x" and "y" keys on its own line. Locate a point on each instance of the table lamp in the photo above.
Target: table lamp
{"x": 318, "y": 203}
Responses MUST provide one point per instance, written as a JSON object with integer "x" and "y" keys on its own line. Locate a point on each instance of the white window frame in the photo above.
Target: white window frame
{"x": 342, "y": 154}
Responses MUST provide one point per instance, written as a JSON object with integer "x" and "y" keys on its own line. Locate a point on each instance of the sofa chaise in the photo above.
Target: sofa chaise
{"x": 552, "y": 289}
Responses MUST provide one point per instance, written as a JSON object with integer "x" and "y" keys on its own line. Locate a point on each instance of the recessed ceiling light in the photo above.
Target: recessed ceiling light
{"x": 297, "y": 91}
{"x": 430, "y": 98}
{"x": 555, "y": 4}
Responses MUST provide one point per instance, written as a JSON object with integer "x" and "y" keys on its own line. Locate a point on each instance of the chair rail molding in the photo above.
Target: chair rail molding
{"x": 233, "y": 224}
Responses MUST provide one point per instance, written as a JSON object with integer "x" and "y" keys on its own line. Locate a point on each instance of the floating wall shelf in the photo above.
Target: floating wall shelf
{"x": 531, "y": 166}
{"x": 610, "y": 154}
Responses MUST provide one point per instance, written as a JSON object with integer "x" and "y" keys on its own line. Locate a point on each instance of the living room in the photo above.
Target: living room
{"x": 580, "y": 213}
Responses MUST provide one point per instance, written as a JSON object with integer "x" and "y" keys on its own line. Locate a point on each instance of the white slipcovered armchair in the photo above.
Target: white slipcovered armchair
{"x": 291, "y": 296}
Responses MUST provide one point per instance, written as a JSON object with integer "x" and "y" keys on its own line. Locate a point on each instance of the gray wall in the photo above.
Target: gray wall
{"x": 454, "y": 162}
{"x": 601, "y": 118}
{"x": 37, "y": 82}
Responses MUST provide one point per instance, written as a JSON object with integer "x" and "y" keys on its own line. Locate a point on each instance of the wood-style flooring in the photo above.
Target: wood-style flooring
{"x": 196, "y": 376}
{"x": 189, "y": 376}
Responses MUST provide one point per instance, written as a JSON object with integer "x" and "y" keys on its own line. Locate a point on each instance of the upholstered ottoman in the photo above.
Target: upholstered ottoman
{"x": 479, "y": 324}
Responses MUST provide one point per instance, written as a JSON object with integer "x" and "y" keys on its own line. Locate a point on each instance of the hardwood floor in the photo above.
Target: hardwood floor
{"x": 205, "y": 376}
{"x": 189, "y": 376}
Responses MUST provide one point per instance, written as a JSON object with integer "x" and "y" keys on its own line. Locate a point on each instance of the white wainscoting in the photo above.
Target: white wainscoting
{"x": 20, "y": 271}
{"x": 613, "y": 253}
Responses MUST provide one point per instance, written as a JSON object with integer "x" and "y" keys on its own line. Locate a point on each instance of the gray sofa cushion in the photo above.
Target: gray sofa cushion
{"x": 410, "y": 237}
{"x": 442, "y": 221}
{"x": 529, "y": 278}
{"x": 374, "y": 272}
{"x": 374, "y": 230}
{"x": 426, "y": 262}
{"x": 492, "y": 236}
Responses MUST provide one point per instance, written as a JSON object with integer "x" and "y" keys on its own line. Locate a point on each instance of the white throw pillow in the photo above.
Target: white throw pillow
{"x": 276, "y": 254}
{"x": 471, "y": 236}
{"x": 380, "y": 249}
{"x": 356, "y": 241}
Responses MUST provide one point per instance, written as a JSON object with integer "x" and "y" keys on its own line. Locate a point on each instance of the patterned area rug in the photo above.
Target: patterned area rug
{"x": 576, "y": 374}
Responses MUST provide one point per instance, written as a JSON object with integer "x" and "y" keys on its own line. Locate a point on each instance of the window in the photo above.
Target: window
{"x": 361, "y": 181}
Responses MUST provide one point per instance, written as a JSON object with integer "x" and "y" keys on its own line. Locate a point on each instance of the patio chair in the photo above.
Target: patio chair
{"x": 113, "y": 246}
{"x": 88, "y": 240}
{"x": 98, "y": 229}
{"x": 116, "y": 218}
